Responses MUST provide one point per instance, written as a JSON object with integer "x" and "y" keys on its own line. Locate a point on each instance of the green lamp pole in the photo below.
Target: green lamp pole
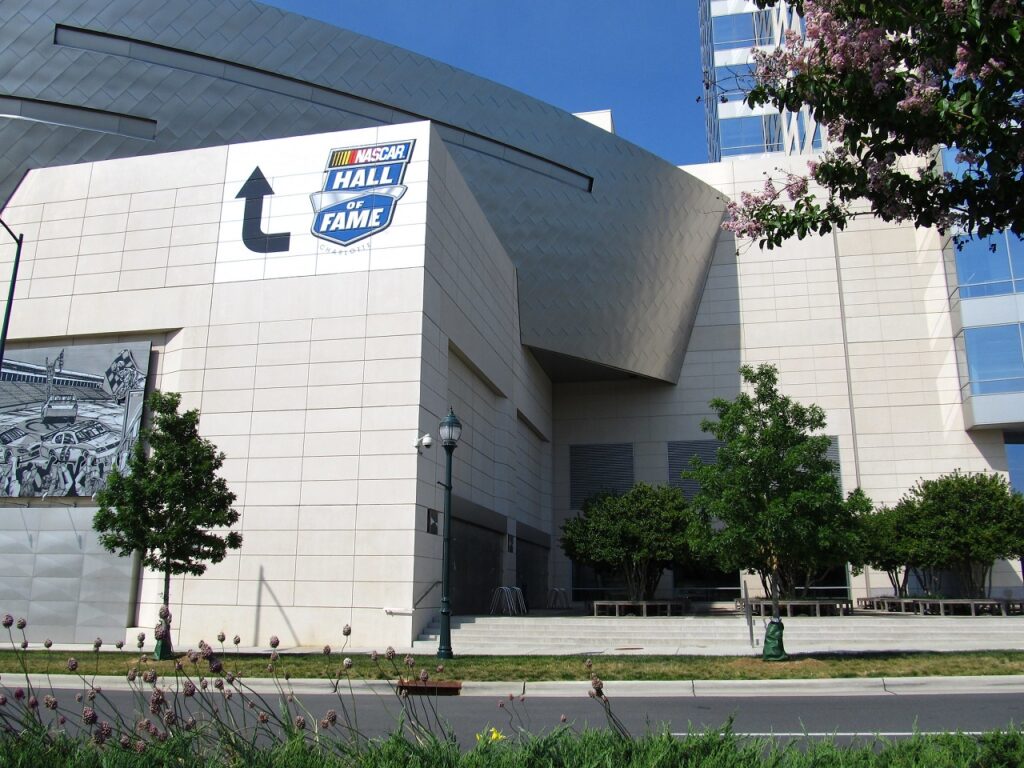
{"x": 450, "y": 430}
{"x": 19, "y": 239}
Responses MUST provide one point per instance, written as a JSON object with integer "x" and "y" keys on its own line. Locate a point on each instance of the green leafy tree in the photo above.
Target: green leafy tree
{"x": 892, "y": 81}
{"x": 772, "y": 496}
{"x": 887, "y": 544}
{"x": 639, "y": 533}
{"x": 170, "y": 502}
{"x": 963, "y": 523}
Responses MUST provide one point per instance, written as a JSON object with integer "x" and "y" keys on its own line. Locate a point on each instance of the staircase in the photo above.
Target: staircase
{"x": 721, "y": 635}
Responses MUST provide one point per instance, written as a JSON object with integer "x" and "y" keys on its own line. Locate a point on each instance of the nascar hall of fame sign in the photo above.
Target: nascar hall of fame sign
{"x": 362, "y": 187}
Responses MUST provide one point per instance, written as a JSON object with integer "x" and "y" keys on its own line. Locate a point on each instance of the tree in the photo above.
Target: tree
{"x": 963, "y": 523}
{"x": 639, "y": 533}
{"x": 891, "y": 80}
{"x": 886, "y": 544}
{"x": 772, "y": 494}
{"x": 169, "y": 500}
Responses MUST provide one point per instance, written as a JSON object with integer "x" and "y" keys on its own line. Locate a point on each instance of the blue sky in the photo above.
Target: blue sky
{"x": 640, "y": 59}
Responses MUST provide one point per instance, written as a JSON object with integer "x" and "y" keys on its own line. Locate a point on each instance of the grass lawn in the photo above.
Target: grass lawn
{"x": 539, "y": 668}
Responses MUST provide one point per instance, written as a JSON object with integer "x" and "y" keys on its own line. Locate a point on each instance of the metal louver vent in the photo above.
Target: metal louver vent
{"x": 680, "y": 453}
{"x": 595, "y": 469}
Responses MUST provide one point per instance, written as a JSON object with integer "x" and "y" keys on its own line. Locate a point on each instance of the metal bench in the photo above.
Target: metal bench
{"x": 640, "y": 607}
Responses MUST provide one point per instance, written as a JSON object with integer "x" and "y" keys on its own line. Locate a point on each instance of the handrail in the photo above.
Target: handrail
{"x": 429, "y": 590}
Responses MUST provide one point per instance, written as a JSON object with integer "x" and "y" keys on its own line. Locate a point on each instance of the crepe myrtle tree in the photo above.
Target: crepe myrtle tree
{"x": 638, "y": 534}
{"x": 891, "y": 81}
{"x": 772, "y": 497}
{"x": 170, "y": 502}
{"x": 885, "y": 543}
{"x": 963, "y": 523}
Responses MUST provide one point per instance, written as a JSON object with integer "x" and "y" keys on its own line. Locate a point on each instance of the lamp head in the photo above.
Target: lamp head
{"x": 450, "y": 429}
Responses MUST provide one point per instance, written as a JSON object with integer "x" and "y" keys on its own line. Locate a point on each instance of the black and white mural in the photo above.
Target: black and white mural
{"x": 68, "y": 415}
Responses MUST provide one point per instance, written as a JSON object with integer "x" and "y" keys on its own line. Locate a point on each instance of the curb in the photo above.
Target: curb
{"x": 875, "y": 686}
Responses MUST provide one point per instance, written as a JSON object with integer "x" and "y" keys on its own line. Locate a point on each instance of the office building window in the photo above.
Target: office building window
{"x": 990, "y": 266}
{"x": 985, "y": 266}
{"x": 995, "y": 359}
{"x": 733, "y": 81}
{"x": 751, "y": 134}
{"x": 1014, "y": 443}
{"x": 741, "y": 30}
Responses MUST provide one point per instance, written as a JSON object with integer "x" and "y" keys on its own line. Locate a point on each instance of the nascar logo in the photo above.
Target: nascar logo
{"x": 362, "y": 186}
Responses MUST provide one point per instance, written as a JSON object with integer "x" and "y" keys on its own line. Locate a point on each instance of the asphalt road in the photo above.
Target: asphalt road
{"x": 845, "y": 714}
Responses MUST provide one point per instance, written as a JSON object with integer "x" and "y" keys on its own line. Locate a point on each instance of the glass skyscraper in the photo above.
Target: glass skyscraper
{"x": 730, "y": 30}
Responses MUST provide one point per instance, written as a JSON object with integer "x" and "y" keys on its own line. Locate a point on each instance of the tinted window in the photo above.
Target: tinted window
{"x": 994, "y": 359}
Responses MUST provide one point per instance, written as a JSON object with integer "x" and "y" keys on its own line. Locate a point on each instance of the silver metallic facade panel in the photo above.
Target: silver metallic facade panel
{"x": 611, "y": 244}
{"x": 54, "y": 572}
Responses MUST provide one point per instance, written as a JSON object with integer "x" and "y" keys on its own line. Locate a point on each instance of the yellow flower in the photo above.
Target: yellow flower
{"x": 491, "y": 736}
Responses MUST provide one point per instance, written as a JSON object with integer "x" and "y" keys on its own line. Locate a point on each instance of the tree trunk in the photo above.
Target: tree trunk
{"x": 167, "y": 586}
{"x": 773, "y": 582}
{"x": 652, "y": 576}
{"x": 634, "y": 581}
{"x": 894, "y": 580}
{"x": 164, "y": 649}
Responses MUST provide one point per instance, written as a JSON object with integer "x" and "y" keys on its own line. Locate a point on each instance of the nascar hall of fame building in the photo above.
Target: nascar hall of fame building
{"x": 323, "y": 242}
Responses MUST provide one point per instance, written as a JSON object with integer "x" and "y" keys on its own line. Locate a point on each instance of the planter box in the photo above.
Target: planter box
{"x": 415, "y": 687}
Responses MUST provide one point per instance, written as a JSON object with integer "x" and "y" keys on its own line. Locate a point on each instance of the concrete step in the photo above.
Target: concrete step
{"x": 720, "y": 635}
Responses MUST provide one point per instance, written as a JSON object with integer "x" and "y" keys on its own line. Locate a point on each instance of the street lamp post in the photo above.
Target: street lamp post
{"x": 19, "y": 239}
{"x": 450, "y": 430}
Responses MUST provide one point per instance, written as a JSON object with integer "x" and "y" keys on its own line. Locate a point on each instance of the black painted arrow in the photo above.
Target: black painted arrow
{"x": 255, "y": 239}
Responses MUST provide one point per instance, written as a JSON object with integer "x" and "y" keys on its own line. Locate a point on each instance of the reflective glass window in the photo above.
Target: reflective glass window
{"x": 1015, "y": 247}
{"x": 982, "y": 260}
{"x": 733, "y": 31}
{"x": 1014, "y": 442}
{"x": 741, "y": 30}
{"x": 742, "y": 135}
{"x": 734, "y": 82}
{"x": 995, "y": 360}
